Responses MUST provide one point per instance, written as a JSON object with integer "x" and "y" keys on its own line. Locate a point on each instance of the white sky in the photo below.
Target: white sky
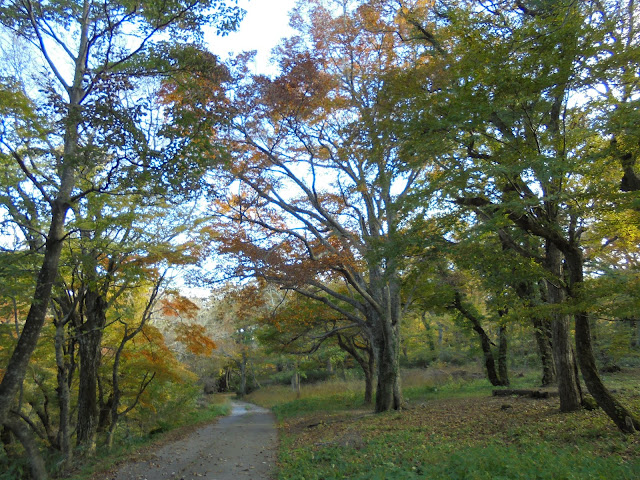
{"x": 266, "y": 22}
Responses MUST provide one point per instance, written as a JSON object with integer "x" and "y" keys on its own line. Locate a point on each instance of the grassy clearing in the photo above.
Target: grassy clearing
{"x": 96, "y": 468}
{"x": 452, "y": 429}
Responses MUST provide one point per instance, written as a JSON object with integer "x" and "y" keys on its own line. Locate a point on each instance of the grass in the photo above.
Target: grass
{"x": 452, "y": 428}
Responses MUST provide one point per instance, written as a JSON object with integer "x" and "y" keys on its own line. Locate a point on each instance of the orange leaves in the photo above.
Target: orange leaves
{"x": 178, "y": 306}
{"x": 149, "y": 353}
{"x": 300, "y": 90}
{"x": 193, "y": 336}
{"x": 265, "y": 242}
{"x": 195, "y": 339}
{"x": 195, "y": 82}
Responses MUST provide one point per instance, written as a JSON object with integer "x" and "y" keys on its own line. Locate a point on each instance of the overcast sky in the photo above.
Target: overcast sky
{"x": 265, "y": 23}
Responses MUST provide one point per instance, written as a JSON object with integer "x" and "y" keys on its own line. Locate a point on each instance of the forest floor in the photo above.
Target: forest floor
{"x": 454, "y": 429}
{"x": 241, "y": 445}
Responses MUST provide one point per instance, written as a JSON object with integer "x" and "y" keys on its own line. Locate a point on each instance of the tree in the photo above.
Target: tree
{"x": 233, "y": 318}
{"x": 324, "y": 190}
{"x": 82, "y": 122}
{"x": 525, "y": 156}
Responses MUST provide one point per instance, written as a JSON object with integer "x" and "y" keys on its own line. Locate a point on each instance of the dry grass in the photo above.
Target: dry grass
{"x": 273, "y": 395}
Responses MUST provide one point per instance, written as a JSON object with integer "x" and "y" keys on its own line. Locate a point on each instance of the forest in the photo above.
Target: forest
{"x": 422, "y": 184}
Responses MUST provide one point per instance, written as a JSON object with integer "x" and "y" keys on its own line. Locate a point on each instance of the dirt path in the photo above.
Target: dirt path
{"x": 242, "y": 445}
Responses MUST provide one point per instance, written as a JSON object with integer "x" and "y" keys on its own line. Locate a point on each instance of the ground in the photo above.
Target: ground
{"x": 241, "y": 445}
{"x": 456, "y": 430}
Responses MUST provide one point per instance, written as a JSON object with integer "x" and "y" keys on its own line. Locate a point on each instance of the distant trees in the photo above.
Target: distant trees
{"x": 301, "y": 326}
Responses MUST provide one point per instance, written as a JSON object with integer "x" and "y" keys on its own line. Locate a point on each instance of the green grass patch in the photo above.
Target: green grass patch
{"x": 381, "y": 461}
{"x": 329, "y": 403}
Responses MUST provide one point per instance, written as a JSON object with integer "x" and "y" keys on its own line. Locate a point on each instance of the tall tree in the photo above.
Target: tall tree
{"x": 526, "y": 142}
{"x": 324, "y": 189}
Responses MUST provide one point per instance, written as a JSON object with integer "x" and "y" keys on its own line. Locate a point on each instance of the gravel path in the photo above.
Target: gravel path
{"x": 239, "y": 446}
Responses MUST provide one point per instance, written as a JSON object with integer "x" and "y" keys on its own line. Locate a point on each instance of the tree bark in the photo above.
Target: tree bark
{"x": 568, "y": 382}
{"x": 622, "y": 417}
{"x": 503, "y": 368}
{"x": 544, "y": 335}
{"x": 115, "y": 371}
{"x": 104, "y": 417}
{"x": 485, "y": 341}
{"x": 329, "y": 366}
{"x": 243, "y": 374}
{"x": 64, "y": 394}
{"x": 366, "y": 360}
{"x": 295, "y": 382}
{"x": 89, "y": 344}
{"x": 533, "y": 294}
{"x": 386, "y": 345}
{"x": 369, "y": 375}
{"x": 17, "y": 366}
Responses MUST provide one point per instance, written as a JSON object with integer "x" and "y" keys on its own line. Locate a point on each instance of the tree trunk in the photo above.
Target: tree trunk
{"x": 16, "y": 368}
{"x": 622, "y": 417}
{"x": 6, "y": 438}
{"x": 104, "y": 417}
{"x": 544, "y": 334}
{"x": 24, "y": 435}
{"x": 115, "y": 385}
{"x": 295, "y": 383}
{"x": 633, "y": 332}
{"x": 503, "y": 369}
{"x": 89, "y": 343}
{"x": 568, "y": 382}
{"x": 532, "y": 293}
{"x": 366, "y": 360}
{"x": 329, "y": 366}
{"x": 489, "y": 361}
{"x": 369, "y": 375}
{"x": 485, "y": 341}
{"x": 386, "y": 344}
{"x": 243, "y": 374}
{"x": 253, "y": 375}
{"x": 225, "y": 380}
{"x": 64, "y": 395}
